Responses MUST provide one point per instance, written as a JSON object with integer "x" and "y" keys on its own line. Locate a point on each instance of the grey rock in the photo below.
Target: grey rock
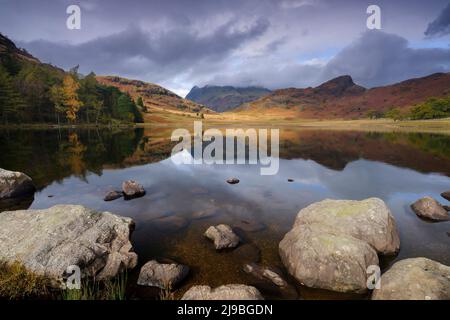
{"x": 265, "y": 273}
{"x": 369, "y": 220}
{"x": 415, "y": 279}
{"x": 162, "y": 275}
{"x": 319, "y": 259}
{"x": 113, "y": 195}
{"x": 429, "y": 208}
{"x": 223, "y": 236}
{"x": 48, "y": 241}
{"x": 446, "y": 195}
{"x": 132, "y": 189}
{"x": 333, "y": 242}
{"x": 226, "y": 292}
{"x": 15, "y": 184}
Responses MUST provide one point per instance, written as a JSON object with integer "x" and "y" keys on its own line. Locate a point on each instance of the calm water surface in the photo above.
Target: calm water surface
{"x": 80, "y": 166}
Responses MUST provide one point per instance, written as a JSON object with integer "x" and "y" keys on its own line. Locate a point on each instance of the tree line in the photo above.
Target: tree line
{"x": 432, "y": 108}
{"x": 40, "y": 93}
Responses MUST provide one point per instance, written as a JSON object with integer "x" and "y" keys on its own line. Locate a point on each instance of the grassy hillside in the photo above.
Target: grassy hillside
{"x": 152, "y": 96}
{"x": 340, "y": 98}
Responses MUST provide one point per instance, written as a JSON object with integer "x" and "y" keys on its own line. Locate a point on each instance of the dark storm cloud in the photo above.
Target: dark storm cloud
{"x": 275, "y": 43}
{"x": 441, "y": 25}
{"x": 378, "y": 58}
{"x": 374, "y": 59}
{"x": 134, "y": 50}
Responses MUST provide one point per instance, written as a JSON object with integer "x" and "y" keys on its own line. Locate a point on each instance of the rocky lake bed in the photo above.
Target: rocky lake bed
{"x": 182, "y": 233}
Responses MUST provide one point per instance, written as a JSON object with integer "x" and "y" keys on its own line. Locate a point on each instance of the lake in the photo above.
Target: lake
{"x": 74, "y": 166}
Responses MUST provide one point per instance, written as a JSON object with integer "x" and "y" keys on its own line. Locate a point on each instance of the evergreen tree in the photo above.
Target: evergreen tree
{"x": 10, "y": 100}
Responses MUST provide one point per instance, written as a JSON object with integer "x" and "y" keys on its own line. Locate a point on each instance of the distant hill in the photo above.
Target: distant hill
{"x": 342, "y": 98}
{"x": 153, "y": 96}
{"x": 224, "y": 98}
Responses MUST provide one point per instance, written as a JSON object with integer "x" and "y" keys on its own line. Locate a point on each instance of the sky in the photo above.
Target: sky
{"x": 269, "y": 43}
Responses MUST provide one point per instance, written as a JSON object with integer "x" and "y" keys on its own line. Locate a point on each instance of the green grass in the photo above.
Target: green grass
{"x": 16, "y": 282}
{"x": 112, "y": 289}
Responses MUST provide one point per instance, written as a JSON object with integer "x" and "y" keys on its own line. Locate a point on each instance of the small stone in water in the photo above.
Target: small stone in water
{"x": 290, "y": 180}
{"x": 233, "y": 181}
{"x": 132, "y": 189}
{"x": 112, "y": 195}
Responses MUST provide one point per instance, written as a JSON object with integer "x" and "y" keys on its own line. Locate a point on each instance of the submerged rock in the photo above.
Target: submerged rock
{"x": 415, "y": 279}
{"x": 429, "y": 208}
{"x": 170, "y": 223}
{"x": 162, "y": 275}
{"x": 131, "y": 189}
{"x": 15, "y": 184}
{"x": 113, "y": 195}
{"x": 265, "y": 273}
{"x": 334, "y": 241}
{"x": 223, "y": 236}
{"x": 446, "y": 195}
{"x": 233, "y": 181}
{"x": 250, "y": 225}
{"x": 48, "y": 241}
{"x": 226, "y": 292}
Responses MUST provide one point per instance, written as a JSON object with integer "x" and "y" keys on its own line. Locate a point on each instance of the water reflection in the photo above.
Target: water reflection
{"x": 183, "y": 200}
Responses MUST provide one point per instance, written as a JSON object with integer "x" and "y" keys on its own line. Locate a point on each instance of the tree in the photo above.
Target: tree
{"x": 90, "y": 96}
{"x": 433, "y": 108}
{"x": 374, "y": 114}
{"x": 10, "y": 100}
{"x": 140, "y": 103}
{"x": 71, "y": 102}
{"x": 395, "y": 114}
{"x": 57, "y": 97}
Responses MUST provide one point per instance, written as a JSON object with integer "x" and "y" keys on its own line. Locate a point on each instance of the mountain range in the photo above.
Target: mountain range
{"x": 342, "y": 98}
{"x": 225, "y": 98}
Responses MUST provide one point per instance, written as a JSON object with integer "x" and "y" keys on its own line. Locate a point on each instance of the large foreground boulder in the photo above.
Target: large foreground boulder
{"x": 415, "y": 279}
{"x": 323, "y": 260}
{"x": 48, "y": 241}
{"x": 162, "y": 275}
{"x": 15, "y": 184}
{"x": 429, "y": 208}
{"x": 368, "y": 220}
{"x": 226, "y": 292}
{"x": 333, "y": 242}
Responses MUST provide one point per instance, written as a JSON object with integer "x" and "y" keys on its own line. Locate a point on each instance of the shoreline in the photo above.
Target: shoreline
{"x": 438, "y": 126}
